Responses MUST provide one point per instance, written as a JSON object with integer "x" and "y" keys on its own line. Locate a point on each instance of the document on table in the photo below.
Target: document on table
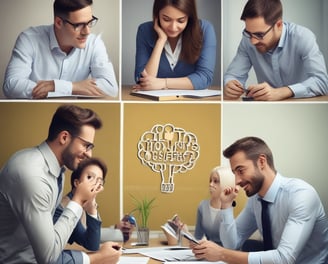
{"x": 133, "y": 260}
{"x": 194, "y": 262}
{"x": 165, "y": 95}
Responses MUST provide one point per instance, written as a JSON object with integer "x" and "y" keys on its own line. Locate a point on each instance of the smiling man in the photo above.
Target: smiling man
{"x": 298, "y": 226}
{"x": 285, "y": 57}
{"x": 31, "y": 189}
{"x": 64, "y": 58}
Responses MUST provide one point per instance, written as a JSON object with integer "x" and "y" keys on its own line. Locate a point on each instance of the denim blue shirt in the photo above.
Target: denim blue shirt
{"x": 298, "y": 223}
{"x": 296, "y": 62}
{"x": 200, "y": 73}
{"x": 37, "y": 56}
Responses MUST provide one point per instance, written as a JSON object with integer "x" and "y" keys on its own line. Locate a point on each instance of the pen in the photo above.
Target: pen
{"x": 117, "y": 247}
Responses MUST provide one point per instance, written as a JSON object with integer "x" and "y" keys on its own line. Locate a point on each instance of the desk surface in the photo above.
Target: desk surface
{"x": 126, "y": 96}
{"x": 323, "y": 98}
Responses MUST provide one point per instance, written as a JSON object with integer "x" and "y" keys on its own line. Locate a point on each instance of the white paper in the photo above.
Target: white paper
{"x": 185, "y": 93}
{"x": 133, "y": 260}
{"x": 194, "y": 262}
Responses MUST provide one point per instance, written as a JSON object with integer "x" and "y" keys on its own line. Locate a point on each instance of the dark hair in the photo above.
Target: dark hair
{"x": 76, "y": 174}
{"x": 270, "y": 10}
{"x": 71, "y": 118}
{"x": 62, "y": 8}
{"x": 192, "y": 37}
{"x": 253, "y": 147}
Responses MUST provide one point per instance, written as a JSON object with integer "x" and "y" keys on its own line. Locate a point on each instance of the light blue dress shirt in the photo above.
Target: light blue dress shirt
{"x": 200, "y": 73}
{"x": 37, "y": 56}
{"x": 298, "y": 220}
{"x": 296, "y": 62}
{"x": 28, "y": 199}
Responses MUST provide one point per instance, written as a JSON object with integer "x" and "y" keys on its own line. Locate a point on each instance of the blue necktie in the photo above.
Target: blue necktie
{"x": 266, "y": 226}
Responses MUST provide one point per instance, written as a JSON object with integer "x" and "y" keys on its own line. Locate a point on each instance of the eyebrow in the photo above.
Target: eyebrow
{"x": 166, "y": 16}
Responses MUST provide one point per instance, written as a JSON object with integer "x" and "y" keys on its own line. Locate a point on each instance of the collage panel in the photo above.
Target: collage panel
{"x": 280, "y": 55}
{"x": 169, "y": 151}
{"x": 27, "y": 126}
{"x": 185, "y": 62}
{"x": 37, "y": 56}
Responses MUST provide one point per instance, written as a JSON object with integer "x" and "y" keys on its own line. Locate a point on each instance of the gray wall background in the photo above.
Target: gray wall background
{"x": 135, "y": 12}
{"x": 311, "y": 14}
{"x": 296, "y": 134}
{"x": 18, "y": 15}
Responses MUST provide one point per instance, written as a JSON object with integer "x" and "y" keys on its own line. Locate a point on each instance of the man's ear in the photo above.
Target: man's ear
{"x": 64, "y": 137}
{"x": 279, "y": 24}
{"x": 58, "y": 22}
{"x": 262, "y": 161}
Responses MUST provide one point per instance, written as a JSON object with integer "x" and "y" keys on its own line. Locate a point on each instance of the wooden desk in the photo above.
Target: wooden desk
{"x": 126, "y": 96}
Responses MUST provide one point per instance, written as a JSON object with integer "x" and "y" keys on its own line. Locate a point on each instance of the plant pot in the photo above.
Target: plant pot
{"x": 143, "y": 235}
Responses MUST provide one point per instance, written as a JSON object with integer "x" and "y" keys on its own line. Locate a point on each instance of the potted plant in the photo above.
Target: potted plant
{"x": 143, "y": 207}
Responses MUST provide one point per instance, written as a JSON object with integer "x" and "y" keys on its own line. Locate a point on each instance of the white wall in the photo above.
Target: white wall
{"x": 296, "y": 134}
{"x": 311, "y": 14}
{"x": 135, "y": 12}
{"x": 17, "y": 15}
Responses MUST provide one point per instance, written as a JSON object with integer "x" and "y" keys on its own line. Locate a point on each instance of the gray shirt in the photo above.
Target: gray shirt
{"x": 28, "y": 199}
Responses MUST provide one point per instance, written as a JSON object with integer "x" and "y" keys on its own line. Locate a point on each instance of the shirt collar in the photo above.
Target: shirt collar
{"x": 282, "y": 40}
{"x": 53, "y": 40}
{"x": 50, "y": 159}
{"x": 271, "y": 194}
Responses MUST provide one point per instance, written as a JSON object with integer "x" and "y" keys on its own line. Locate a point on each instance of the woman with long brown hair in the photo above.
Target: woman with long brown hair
{"x": 176, "y": 50}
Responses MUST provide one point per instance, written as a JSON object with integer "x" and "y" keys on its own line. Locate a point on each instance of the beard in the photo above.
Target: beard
{"x": 69, "y": 158}
{"x": 256, "y": 183}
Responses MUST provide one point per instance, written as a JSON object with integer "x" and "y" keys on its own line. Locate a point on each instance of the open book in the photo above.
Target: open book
{"x": 169, "y": 95}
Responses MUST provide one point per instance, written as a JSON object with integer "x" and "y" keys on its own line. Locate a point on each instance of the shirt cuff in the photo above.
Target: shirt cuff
{"x": 75, "y": 208}
{"x": 86, "y": 259}
{"x": 63, "y": 87}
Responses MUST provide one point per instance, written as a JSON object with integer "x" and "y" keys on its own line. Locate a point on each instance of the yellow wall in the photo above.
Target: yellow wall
{"x": 191, "y": 187}
{"x": 26, "y": 125}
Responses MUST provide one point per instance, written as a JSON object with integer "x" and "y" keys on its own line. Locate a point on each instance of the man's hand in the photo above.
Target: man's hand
{"x": 207, "y": 250}
{"x": 40, "y": 91}
{"x": 264, "y": 92}
{"x": 233, "y": 90}
{"x": 228, "y": 195}
{"x": 87, "y": 87}
{"x": 108, "y": 253}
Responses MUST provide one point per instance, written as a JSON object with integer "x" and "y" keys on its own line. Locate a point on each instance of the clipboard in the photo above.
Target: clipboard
{"x": 172, "y": 95}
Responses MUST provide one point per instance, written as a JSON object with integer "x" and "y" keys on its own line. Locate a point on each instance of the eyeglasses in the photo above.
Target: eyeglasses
{"x": 80, "y": 26}
{"x": 257, "y": 35}
{"x": 88, "y": 145}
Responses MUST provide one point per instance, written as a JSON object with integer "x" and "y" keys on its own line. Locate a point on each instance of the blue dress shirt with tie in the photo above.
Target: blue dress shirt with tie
{"x": 299, "y": 224}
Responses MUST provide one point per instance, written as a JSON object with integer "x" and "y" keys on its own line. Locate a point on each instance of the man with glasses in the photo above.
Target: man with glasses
{"x": 62, "y": 59}
{"x": 285, "y": 57}
{"x": 31, "y": 190}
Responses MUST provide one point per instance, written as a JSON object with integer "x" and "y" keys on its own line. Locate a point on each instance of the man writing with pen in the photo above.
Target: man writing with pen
{"x": 285, "y": 57}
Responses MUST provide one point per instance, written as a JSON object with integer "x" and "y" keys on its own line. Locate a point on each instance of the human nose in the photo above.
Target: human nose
{"x": 86, "y": 30}
{"x": 88, "y": 153}
{"x": 173, "y": 26}
{"x": 254, "y": 40}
